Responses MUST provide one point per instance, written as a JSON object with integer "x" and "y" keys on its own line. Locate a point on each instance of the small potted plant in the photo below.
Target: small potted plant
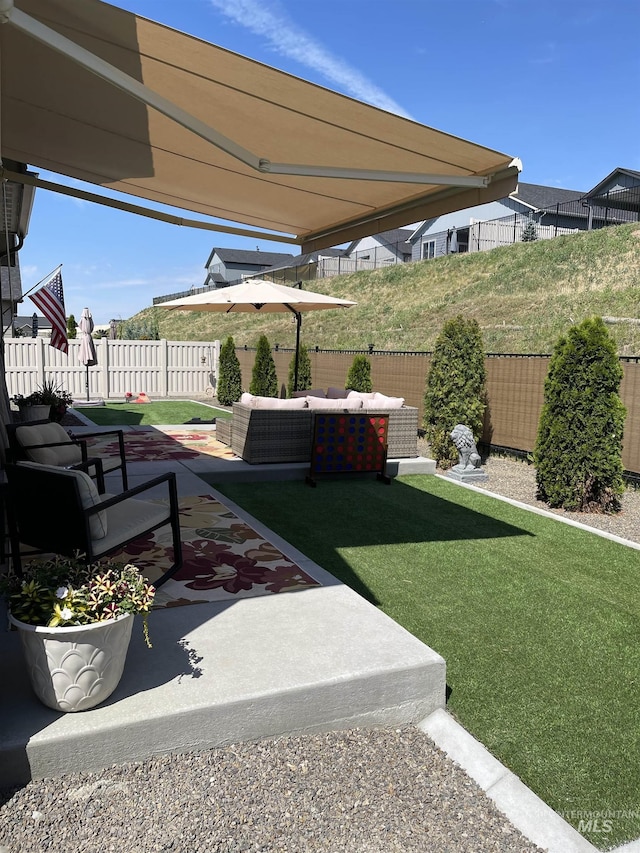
{"x": 75, "y": 625}
{"x": 49, "y": 400}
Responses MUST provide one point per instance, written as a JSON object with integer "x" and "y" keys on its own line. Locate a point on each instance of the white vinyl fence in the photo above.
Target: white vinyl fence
{"x": 157, "y": 368}
{"x": 495, "y": 232}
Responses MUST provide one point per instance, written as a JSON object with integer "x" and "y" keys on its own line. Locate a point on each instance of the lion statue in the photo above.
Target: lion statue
{"x": 468, "y": 456}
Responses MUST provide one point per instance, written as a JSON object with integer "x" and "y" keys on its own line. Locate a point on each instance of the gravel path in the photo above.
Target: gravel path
{"x": 361, "y": 791}
{"x": 517, "y": 480}
{"x": 382, "y": 790}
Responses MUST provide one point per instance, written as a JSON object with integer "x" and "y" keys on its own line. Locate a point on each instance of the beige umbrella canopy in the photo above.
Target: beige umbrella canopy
{"x": 259, "y": 296}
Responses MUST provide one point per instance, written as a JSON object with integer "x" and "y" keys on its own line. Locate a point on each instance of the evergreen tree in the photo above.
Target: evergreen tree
{"x": 72, "y": 327}
{"x": 578, "y": 452}
{"x": 304, "y": 371}
{"x": 230, "y": 379}
{"x": 456, "y": 387}
{"x": 143, "y": 329}
{"x": 359, "y": 375}
{"x": 264, "y": 380}
{"x": 529, "y": 232}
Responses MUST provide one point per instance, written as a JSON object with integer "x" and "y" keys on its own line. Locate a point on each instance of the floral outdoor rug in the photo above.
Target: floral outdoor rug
{"x": 143, "y": 446}
{"x": 223, "y": 558}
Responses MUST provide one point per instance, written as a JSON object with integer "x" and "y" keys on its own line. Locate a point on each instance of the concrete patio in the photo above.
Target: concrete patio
{"x": 221, "y": 672}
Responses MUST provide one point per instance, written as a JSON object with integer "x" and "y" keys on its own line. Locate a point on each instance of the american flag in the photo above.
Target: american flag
{"x": 50, "y": 300}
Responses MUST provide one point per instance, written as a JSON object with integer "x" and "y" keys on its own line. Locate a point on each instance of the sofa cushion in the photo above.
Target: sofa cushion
{"x": 361, "y": 395}
{"x": 333, "y": 403}
{"x": 310, "y": 392}
{"x": 29, "y": 436}
{"x": 380, "y": 401}
{"x": 279, "y": 403}
{"x": 336, "y": 393}
{"x": 247, "y": 399}
{"x": 89, "y": 496}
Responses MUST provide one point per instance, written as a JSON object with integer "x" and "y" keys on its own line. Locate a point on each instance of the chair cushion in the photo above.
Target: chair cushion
{"x": 131, "y": 518}
{"x": 89, "y": 496}
{"x": 28, "y": 436}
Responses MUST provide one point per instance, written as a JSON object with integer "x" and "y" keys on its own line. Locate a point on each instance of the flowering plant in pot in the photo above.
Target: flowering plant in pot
{"x": 50, "y": 395}
{"x": 75, "y": 624}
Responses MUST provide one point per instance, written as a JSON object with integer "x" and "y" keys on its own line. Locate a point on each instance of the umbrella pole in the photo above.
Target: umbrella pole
{"x": 87, "y": 383}
{"x": 295, "y": 369}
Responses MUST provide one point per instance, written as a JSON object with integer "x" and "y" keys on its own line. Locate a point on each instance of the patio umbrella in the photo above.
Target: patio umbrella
{"x": 453, "y": 241}
{"x": 87, "y": 347}
{"x": 258, "y": 296}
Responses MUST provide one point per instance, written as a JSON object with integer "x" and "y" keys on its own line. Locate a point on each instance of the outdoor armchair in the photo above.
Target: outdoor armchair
{"x": 59, "y": 511}
{"x": 49, "y": 443}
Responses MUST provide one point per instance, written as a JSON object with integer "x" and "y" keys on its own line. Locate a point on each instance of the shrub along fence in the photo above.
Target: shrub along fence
{"x": 515, "y": 383}
{"x": 515, "y": 387}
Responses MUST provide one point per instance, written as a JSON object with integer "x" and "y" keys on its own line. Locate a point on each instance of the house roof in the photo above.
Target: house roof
{"x": 248, "y": 256}
{"x": 306, "y": 258}
{"x": 99, "y": 94}
{"x": 540, "y": 197}
{"x": 216, "y": 278}
{"x": 622, "y": 198}
{"x": 22, "y": 321}
{"x": 396, "y": 236}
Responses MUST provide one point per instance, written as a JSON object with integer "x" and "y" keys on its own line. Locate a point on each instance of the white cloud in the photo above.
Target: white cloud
{"x": 288, "y": 39}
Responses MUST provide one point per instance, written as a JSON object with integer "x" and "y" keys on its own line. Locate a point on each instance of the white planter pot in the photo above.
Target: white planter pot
{"x": 35, "y": 413}
{"x": 75, "y": 668}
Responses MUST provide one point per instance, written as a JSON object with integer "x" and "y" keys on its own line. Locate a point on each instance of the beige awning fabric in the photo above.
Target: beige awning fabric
{"x": 250, "y": 144}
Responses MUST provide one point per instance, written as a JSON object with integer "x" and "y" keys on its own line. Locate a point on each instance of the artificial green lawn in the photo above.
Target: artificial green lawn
{"x": 151, "y": 414}
{"x": 538, "y": 621}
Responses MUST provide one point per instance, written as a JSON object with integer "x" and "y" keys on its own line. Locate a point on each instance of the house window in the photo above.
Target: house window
{"x": 428, "y": 250}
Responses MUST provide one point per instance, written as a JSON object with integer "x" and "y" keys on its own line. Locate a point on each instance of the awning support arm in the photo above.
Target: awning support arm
{"x": 34, "y": 181}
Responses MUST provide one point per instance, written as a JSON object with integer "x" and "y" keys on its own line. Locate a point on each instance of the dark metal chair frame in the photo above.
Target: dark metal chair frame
{"x": 17, "y": 453}
{"x": 45, "y": 512}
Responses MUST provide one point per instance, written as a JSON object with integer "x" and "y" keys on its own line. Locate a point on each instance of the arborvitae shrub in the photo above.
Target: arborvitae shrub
{"x": 359, "y": 375}
{"x": 304, "y": 371}
{"x": 455, "y": 390}
{"x": 230, "y": 379}
{"x": 578, "y": 452}
{"x": 529, "y": 232}
{"x": 264, "y": 380}
{"x": 72, "y": 327}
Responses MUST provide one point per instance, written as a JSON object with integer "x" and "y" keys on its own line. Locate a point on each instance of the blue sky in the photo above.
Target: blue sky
{"x": 554, "y": 82}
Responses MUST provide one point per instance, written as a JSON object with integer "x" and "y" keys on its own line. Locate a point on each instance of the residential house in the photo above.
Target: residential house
{"x": 381, "y": 250}
{"x": 229, "y": 266}
{"x": 322, "y": 263}
{"x": 23, "y": 326}
{"x": 553, "y": 211}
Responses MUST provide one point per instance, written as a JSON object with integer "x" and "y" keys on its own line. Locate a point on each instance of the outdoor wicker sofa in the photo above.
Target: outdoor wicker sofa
{"x": 285, "y": 435}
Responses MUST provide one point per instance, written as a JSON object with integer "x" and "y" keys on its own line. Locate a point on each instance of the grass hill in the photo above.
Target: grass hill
{"x": 523, "y": 296}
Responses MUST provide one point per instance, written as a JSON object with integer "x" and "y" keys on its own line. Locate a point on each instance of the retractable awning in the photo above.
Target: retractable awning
{"x": 99, "y": 94}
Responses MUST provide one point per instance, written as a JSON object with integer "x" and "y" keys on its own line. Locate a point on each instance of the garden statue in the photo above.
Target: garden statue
{"x": 468, "y": 467}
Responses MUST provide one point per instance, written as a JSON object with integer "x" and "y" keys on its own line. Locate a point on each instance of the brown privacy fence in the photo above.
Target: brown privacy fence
{"x": 515, "y": 385}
